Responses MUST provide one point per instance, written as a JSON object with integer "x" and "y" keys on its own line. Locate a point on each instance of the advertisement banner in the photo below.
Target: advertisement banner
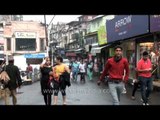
{"x": 126, "y": 26}
{"x": 111, "y": 52}
{"x": 154, "y": 23}
{"x": 102, "y": 38}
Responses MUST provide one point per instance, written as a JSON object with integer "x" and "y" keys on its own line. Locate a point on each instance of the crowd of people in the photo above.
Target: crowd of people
{"x": 55, "y": 78}
{"x": 117, "y": 68}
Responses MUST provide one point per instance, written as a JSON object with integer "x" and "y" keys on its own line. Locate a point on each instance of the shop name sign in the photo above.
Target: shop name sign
{"x": 126, "y": 26}
{"x": 122, "y": 22}
{"x": 34, "y": 55}
{"x": 25, "y": 35}
{"x": 154, "y": 23}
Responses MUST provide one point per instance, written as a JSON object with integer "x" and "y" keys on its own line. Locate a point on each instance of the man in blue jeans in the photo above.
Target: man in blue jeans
{"x": 144, "y": 68}
{"x": 118, "y": 69}
{"x": 75, "y": 70}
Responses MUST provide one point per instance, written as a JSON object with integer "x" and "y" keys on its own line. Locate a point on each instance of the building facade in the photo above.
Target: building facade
{"x": 22, "y": 37}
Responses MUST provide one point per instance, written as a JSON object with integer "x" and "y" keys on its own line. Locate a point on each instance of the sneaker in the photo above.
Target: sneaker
{"x": 143, "y": 103}
{"x": 147, "y": 104}
{"x": 124, "y": 91}
{"x": 133, "y": 98}
{"x": 64, "y": 103}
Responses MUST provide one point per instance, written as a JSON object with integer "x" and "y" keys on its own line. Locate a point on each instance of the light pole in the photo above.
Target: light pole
{"x": 46, "y": 30}
{"x": 46, "y": 34}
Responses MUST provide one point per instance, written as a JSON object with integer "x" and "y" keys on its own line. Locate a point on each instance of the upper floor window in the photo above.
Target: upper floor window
{"x": 42, "y": 48}
{"x": 8, "y": 43}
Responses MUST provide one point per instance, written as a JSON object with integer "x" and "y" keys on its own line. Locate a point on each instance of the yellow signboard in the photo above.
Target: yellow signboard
{"x": 102, "y": 37}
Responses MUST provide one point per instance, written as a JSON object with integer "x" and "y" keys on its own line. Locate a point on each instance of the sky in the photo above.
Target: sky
{"x": 57, "y": 18}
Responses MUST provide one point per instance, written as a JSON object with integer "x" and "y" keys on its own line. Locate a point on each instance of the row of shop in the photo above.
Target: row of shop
{"x": 135, "y": 34}
{"x": 132, "y": 50}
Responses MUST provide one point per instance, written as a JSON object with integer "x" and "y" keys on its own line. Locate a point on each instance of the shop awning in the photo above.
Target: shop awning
{"x": 95, "y": 50}
{"x": 78, "y": 49}
{"x": 75, "y": 50}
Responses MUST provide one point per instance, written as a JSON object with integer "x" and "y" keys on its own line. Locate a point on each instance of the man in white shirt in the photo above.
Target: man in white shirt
{"x": 82, "y": 68}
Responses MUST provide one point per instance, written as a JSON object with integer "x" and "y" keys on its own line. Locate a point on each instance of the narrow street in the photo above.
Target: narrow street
{"x": 81, "y": 94}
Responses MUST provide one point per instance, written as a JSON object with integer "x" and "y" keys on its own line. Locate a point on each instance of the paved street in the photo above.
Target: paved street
{"x": 81, "y": 94}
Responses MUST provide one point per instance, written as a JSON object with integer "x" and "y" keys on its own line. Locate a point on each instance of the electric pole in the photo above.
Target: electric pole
{"x": 46, "y": 30}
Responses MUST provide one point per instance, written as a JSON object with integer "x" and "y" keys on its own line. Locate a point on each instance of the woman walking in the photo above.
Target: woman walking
{"x": 46, "y": 89}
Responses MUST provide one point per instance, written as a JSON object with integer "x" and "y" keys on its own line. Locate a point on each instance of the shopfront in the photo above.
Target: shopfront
{"x": 25, "y": 41}
{"x": 123, "y": 30}
{"x": 129, "y": 52}
{"x": 91, "y": 41}
{"x": 126, "y": 26}
{"x": 145, "y": 44}
{"x": 151, "y": 44}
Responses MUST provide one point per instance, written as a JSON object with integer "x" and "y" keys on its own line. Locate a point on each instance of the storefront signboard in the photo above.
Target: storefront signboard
{"x": 126, "y": 26}
{"x": 154, "y": 23}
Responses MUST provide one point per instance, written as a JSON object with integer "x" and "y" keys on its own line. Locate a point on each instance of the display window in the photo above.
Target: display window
{"x": 153, "y": 49}
{"x": 149, "y": 47}
{"x": 129, "y": 53}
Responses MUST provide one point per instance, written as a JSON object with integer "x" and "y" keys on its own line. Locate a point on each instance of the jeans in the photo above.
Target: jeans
{"x": 135, "y": 87}
{"x": 82, "y": 77}
{"x": 146, "y": 87}
{"x": 75, "y": 74}
{"x": 115, "y": 91}
{"x": 29, "y": 76}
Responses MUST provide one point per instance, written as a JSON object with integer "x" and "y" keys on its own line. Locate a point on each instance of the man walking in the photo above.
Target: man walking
{"x": 144, "y": 68}
{"x": 29, "y": 70}
{"x": 75, "y": 70}
{"x": 82, "y": 68}
{"x": 115, "y": 68}
{"x": 15, "y": 79}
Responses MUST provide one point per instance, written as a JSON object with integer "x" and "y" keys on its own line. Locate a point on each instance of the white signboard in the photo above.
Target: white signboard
{"x": 25, "y": 35}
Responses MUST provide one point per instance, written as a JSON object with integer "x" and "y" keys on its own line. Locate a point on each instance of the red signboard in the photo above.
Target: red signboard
{"x": 71, "y": 54}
